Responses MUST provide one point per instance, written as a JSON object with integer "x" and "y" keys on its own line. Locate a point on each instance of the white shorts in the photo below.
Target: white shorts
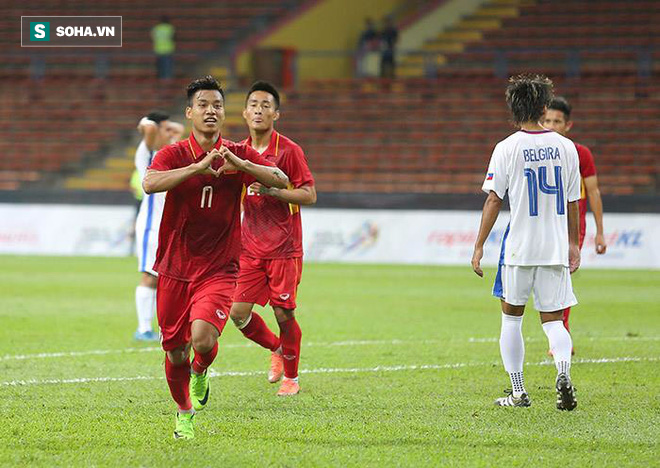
{"x": 146, "y": 242}
{"x": 552, "y": 286}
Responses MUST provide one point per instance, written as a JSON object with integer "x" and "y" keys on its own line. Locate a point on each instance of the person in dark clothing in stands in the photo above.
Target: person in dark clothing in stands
{"x": 369, "y": 35}
{"x": 389, "y": 37}
{"x": 368, "y": 45}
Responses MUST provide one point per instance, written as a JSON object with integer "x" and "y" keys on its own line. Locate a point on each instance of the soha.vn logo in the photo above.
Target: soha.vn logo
{"x": 41, "y": 31}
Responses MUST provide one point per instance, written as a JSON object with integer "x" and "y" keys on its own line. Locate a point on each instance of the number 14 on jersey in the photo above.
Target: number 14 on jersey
{"x": 540, "y": 183}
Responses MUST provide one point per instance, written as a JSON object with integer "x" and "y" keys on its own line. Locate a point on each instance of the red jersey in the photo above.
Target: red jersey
{"x": 200, "y": 232}
{"x": 272, "y": 228}
{"x": 587, "y": 169}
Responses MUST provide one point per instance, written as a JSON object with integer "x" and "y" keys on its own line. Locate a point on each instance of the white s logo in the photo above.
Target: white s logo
{"x": 40, "y": 31}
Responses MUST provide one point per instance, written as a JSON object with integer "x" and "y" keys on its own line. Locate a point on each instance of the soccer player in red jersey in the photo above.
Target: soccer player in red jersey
{"x": 271, "y": 260}
{"x": 558, "y": 118}
{"x": 199, "y": 242}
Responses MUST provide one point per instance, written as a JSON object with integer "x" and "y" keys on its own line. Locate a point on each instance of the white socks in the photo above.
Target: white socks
{"x": 145, "y": 303}
{"x": 512, "y": 349}
{"x": 561, "y": 345}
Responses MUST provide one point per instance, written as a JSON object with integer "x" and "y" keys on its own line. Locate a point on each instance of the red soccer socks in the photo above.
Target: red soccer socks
{"x": 290, "y": 336}
{"x": 257, "y": 331}
{"x": 201, "y": 362}
{"x": 178, "y": 379}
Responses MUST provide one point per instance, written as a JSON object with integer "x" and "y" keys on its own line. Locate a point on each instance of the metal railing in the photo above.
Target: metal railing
{"x": 570, "y": 62}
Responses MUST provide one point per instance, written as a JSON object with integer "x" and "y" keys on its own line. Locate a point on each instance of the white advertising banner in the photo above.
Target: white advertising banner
{"x": 330, "y": 235}
{"x": 66, "y": 229}
{"x": 447, "y": 238}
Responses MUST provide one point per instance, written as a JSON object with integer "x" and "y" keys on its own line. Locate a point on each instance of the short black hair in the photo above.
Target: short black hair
{"x": 157, "y": 116}
{"x": 527, "y": 96}
{"x": 268, "y": 88}
{"x": 206, "y": 82}
{"x": 561, "y": 104}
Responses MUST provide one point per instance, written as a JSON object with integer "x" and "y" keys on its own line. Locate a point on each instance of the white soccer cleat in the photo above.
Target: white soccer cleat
{"x": 510, "y": 400}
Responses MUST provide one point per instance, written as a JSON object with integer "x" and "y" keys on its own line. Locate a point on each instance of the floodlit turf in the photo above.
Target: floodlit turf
{"x": 355, "y": 320}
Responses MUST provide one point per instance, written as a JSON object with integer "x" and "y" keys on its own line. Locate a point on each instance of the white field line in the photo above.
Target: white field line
{"x": 97, "y": 352}
{"x": 330, "y": 344}
{"x": 324, "y": 370}
{"x": 576, "y": 338}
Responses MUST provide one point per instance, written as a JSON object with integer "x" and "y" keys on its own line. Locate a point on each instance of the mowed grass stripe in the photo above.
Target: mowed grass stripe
{"x": 395, "y": 342}
{"x": 384, "y": 394}
{"x": 328, "y": 370}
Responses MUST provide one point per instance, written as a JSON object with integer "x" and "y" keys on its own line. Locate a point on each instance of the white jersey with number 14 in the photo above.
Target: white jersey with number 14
{"x": 541, "y": 173}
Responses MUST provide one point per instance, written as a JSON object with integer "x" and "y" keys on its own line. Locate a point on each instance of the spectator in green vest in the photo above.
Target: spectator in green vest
{"x": 162, "y": 36}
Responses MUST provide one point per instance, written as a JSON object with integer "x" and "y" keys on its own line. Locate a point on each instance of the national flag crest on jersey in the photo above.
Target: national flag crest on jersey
{"x": 489, "y": 176}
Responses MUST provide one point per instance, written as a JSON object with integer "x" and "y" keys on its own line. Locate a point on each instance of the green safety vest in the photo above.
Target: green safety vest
{"x": 163, "y": 37}
{"x": 136, "y": 185}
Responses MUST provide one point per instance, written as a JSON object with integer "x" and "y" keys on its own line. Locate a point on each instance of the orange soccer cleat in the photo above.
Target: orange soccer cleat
{"x": 289, "y": 387}
{"x": 276, "y": 367}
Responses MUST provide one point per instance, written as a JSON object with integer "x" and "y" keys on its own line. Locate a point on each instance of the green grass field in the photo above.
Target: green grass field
{"x": 400, "y": 367}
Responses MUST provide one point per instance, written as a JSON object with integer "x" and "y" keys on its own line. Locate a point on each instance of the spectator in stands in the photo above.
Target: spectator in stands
{"x": 388, "y": 37}
{"x": 369, "y": 37}
{"x": 368, "y": 46}
{"x": 162, "y": 36}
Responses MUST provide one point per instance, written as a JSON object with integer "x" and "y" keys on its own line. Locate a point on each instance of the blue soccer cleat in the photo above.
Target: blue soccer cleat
{"x": 146, "y": 336}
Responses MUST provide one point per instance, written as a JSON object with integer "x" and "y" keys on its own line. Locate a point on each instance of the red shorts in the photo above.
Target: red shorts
{"x": 275, "y": 281}
{"x": 179, "y": 303}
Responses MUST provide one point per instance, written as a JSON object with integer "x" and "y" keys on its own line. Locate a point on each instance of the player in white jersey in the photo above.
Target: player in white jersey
{"x": 539, "y": 169}
{"x": 157, "y": 131}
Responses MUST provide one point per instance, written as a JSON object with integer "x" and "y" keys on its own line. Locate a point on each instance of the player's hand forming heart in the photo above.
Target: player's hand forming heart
{"x": 204, "y": 166}
{"x": 232, "y": 162}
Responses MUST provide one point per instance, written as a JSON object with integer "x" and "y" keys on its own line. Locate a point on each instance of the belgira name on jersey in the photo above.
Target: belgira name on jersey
{"x": 540, "y": 154}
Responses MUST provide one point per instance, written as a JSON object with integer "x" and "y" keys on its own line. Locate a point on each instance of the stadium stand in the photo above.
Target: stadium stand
{"x": 83, "y": 101}
{"x": 417, "y": 134}
{"x": 436, "y": 136}
{"x": 594, "y": 35}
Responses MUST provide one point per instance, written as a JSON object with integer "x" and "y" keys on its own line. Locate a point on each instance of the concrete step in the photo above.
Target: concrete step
{"x": 496, "y": 11}
{"x": 460, "y": 35}
{"x": 446, "y": 47}
{"x": 120, "y": 163}
{"x": 91, "y": 184}
{"x": 483, "y": 24}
